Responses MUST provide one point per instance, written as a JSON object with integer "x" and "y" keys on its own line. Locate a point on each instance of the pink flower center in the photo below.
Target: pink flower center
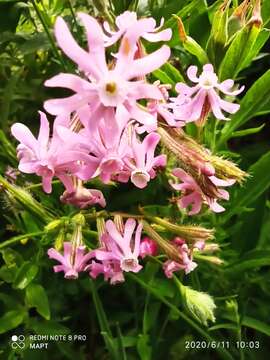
{"x": 140, "y": 178}
{"x": 129, "y": 264}
{"x": 208, "y": 80}
{"x": 111, "y": 87}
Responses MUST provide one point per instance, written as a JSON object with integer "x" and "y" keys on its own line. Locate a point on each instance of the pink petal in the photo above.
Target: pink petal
{"x": 192, "y": 73}
{"x": 47, "y": 183}
{"x": 70, "y": 81}
{"x": 229, "y": 107}
{"x": 65, "y": 105}
{"x": 24, "y": 136}
{"x": 140, "y": 179}
{"x": 214, "y": 100}
{"x": 44, "y": 134}
{"x": 208, "y": 68}
{"x": 164, "y": 35}
{"x": 69, "y": 46}
{"x": 95, "y": 38}
{"x": 149, "y": 63}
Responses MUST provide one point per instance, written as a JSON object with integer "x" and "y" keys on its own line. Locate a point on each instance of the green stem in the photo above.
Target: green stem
{"x": 16, "y": 239}
{"x": 73, "y": 16}
{"x": 223, "y": 352}
{"x": 49, "y": 35}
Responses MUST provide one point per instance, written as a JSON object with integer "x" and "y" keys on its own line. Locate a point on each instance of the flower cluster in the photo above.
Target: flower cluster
{"x": 118, "y": 253}
{"x": 96, "y": 130}
{"x": 110, "y": 128}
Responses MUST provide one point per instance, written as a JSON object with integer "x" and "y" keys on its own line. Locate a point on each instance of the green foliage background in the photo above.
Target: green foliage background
{"x": 144, "y": 318}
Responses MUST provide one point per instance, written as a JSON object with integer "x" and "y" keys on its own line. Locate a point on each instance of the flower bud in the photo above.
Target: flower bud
{"x": 169, "y": 249}
{"x": 78, "y": 219}
{"x": 199, "y": 304}
{"x": 24, "y": 198}
{"x": 190, "y": 233}
{"x": 148, "y": 247}
{"x": 58, "y": 244}
{"x": 53, "y": 225}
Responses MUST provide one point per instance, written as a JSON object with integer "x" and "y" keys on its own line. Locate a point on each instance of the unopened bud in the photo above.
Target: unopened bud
{"x": 256, "y": 18}
{"x": 53, "y": 225}
{"x": 23, "y": 197}
{"x": 226, "y": 169}
{"x": 191, "y": 233}
{"x": 199, "y": 304}
{"x": 61, "y": 237}
{"x": 78, "y": 219}
{"x": 118, "y": 220}
{"x": 212, "y": 247}
{"x": 169, "y": 249}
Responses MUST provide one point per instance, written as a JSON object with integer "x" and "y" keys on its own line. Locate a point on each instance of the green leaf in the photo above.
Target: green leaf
{"x": 266, "y": 12}
{"x": 168, "y": 74}
{"x": 26, "y": 273}
{"x": 260, "y": 41}
{"x": 37, "y": 297}
{"x": 195, "y": 6}
{"x": 143, "y": 347}
{"x": 219, "y": 35}
{"x": 238, "y": 51}
{"x": 45, "y": 327}
{"x": 103, "y": 323}
{"x": 257, "y": 184}
{"x": 246, "y": 132}
{"x": 11, "y": 320}
{"x": 191, "y": 46}
{"x": 38, "y": 41}
{"x": 256, "y": 325}
{"x": 254, "y": 100}
{"x": 228, "y": 326}
{"x": 254, "y": 259}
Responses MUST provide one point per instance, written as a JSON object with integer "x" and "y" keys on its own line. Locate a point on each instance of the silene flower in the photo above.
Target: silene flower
{"x": 105, "y": 88}
{"x": 119, "y": 251}
{"x": 129, "y": 23}
{"x": 48, "y": 156}
{"x": 193, "y": 196}
{"x": 73, "y": 260}
{"x": 195, "y": 102}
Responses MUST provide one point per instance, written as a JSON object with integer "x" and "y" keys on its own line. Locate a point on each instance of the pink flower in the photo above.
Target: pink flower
{"x": 110, "y": 145}
{"x": 143, "y": 163}
{"x": 71, "y": 263}
{"x": 128, "y": 23}
{"x": 48, "y": 157}
{"x": 161, "y": 107}
{"x": 193, "y": 195}
{"x": 110, "y": 269}
{"x": 186, "y": 263}
{"x": 106, "y": 89}
{"x": 121, "y": 248}
{"x": 191, "y": 102}
{"x": 83, "y": 197}
{"x": 148, "y": 247}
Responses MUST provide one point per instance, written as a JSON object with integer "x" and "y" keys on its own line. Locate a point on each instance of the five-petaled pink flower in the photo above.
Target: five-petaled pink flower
{"x": 144, "y": 162}
{"x": 105, "y": 88}
{"x": 48, "y": 157}
{"x": 127, "y": 23}
{"x": 185, "y": 263}
{"x": 72, "y": 261}
{"x": 121, "y": 248}
{"x": 191, "y": 102}
{"x": 193, "y": 195}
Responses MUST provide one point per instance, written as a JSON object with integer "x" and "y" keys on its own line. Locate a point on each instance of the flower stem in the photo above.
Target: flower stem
{"x": 49, "y": 35}
{"x": 16, "y": 239}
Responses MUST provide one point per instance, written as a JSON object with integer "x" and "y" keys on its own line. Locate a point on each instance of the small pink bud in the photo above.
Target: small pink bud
{"x": 148, "y": 247}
